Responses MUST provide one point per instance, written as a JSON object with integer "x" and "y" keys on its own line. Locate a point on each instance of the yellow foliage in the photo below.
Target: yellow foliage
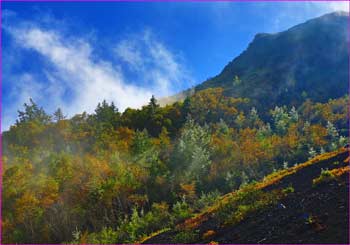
{"x": 26, "y": 207}
{"x": 271, "y": 179}
{"x": 208, "y": 234}
{"x": 189, "y": 190}
{"x": 340, "y": 171}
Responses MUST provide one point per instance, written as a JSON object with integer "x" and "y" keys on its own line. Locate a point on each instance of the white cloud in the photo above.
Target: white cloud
{"x": 91, "y": 81}
{"x": 128, "y": 52}
{"x": 74, "y": 68}
{"x": 151, "y": 59}
{"x": 292, "y": 13}
{"x": 26, "y": 87}
{"x": 337, "y": 6}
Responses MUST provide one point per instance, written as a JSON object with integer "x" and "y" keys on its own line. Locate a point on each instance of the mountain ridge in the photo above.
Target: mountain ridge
{"x": 309, "y": 60}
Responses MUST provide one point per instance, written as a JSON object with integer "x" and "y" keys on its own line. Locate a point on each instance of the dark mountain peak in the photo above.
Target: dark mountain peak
{"x": 337, "y": 20}
{"x": 307, "y": 61}
{"x": 261, "y": 35}
{"x": 335, "y": 14}
{"x": 333, "y": 18}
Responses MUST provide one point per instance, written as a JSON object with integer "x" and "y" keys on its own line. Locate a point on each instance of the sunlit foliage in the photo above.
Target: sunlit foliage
{"x": 112, "y": 177}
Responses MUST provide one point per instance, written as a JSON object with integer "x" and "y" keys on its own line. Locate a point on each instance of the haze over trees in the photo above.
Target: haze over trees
{"x": 121, "y": 176}
{"x": 118, "y": 177}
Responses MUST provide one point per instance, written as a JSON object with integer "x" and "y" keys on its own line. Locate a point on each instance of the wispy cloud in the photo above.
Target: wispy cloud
{"x": 337, "y": 6}
{"x": 148, "y": 57}
{"x": 275, "y": 16}
{"x": 291, "y": 13}
{"x": 73, "y": 68}
{"x": 26, "y": 86}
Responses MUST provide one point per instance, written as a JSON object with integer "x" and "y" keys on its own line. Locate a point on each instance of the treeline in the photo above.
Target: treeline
{"x": 112, "y": 177}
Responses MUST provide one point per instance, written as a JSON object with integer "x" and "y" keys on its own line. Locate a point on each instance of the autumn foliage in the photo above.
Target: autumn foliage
{"x": 118, "y": 177}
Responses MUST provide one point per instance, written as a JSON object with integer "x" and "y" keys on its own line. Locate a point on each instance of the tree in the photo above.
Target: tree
{"x": 264, "y": 131}
{"x": 191, "y": 155}
{"x": 107, "y": 115}
{"x": 332, "y": 131}
{"x": 141, "y": 142}
{"x": 153, "y": 118}
{"x": 32, "y": 113}
{"x": 254, "y": 119}
{"x": 110, "y": 170}
{"x": 281, "y": 119}
{"x": 312, "y": 152}
{"x": 240, "y": 119}
{"x": 58, "y": 115}
{"x": 222, "y": 127}
{"x": 293, "y": 115}
{"x": 153, "y": 105}
{"x": 236, "y": 81}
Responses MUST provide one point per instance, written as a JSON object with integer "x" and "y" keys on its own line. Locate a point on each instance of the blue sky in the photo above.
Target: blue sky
{"x": 73, "y": 55}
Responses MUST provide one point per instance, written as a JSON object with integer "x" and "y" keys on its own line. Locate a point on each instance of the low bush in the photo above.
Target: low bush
{"x": 208, "y": 234}
{"x": 288, "y": 190}
{"x": 181, "y": 211}
{"x": 325, "y": 176}
{"x": 244, "y": 203}
{"x": 186, "y": 236}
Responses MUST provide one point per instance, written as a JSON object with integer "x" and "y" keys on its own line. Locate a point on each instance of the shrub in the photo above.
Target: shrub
{"x": 206, "y": 200}
{"x": 244, "y": 203}
{"x": 208, "y": 234}
{"x": 159, "y": 217}
{"x": 142, "y": 225}
{"x": 186, "y": 237}
{"x": 325, "y": 176}
{"x": 181, "y": 211}
{"x": 288, "y": 190}
{"x": 106, "y": 236}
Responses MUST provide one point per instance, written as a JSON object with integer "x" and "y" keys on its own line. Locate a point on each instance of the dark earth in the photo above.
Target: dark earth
{"x": 312, "y": 214}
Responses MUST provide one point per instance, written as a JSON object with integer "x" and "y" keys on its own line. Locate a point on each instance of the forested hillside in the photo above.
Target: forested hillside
{"x": 267, "y": 134}
{"x": 113, "y": 177}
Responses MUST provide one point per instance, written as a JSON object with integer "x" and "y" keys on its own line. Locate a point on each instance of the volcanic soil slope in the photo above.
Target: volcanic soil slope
{"x": 308, "y": 203}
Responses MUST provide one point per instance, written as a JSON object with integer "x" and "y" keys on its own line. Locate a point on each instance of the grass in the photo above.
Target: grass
{"x": 329, "y": 175}
{"x": 288, "y": 190}
{"x": 245, "y": 203}
{"x": 233, "y": 207}
{"x": 152, "y": 235}
{"x": 186, "y": 236}
{"x": 325, "y": 176}
{"x": 267, "y": 181}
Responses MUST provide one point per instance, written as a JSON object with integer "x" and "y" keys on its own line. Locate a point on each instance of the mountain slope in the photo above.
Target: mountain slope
{"x": 302, "y": 204}
{"x": 309, "y": 60}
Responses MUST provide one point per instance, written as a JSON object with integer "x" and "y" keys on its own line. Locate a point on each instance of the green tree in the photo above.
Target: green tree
{"x": 107, "y": 115}
{"x": 281, "y": 119}
{"x": 32, "y": 112}
{"x": 192, "y": 151}
{"x": 58, "y": 115}
{"x": 293, "y": 115}
{"x": 153, "y": 105}
{"x": 141, "y": 142}
{"x": 254, "y": 119}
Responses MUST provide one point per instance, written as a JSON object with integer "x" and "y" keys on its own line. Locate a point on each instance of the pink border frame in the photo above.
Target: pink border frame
{"x": 174, "y": 1}
{"x": 1, "y": 166}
